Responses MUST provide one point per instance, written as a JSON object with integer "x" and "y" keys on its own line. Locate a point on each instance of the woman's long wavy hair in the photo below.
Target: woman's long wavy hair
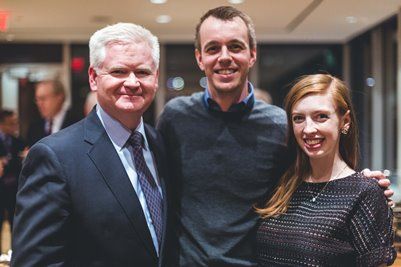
{"x": 300, "y": 168}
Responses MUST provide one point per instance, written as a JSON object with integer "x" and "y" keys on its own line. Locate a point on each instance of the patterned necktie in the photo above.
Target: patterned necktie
{"x": 148, "y": 184}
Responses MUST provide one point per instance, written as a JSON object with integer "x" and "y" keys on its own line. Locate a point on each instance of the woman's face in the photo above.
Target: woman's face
{"x": 317, "y": 125}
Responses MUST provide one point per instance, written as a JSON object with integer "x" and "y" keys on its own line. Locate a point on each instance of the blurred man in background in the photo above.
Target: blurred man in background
{"x": 49, "y": 98}
{"x": 263, "y": 95}
{"x": 90, "y": 102}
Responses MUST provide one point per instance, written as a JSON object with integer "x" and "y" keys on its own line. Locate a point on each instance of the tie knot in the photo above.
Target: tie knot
{"x": 136, "y": 139}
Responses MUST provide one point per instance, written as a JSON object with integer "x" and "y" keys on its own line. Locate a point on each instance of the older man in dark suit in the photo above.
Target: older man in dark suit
{"x": 54, "y": 115}
{"x": 94, "y": 193}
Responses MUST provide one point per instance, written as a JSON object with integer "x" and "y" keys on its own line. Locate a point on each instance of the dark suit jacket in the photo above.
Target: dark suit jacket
{"x": 13, "y": 167}
{"x": 36, "y": 129}
{"x": 76, "y": 205}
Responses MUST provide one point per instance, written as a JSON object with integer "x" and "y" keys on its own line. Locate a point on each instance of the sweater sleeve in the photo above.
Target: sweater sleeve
{"x": 371, "y": 228}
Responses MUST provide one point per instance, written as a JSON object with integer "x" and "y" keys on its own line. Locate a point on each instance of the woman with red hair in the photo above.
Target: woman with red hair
{"x": 323, "y": 212}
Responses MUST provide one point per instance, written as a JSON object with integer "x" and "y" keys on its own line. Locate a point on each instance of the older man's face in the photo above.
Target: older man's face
{"x": 49, "y": 103}
{"x": 127, "y": 80}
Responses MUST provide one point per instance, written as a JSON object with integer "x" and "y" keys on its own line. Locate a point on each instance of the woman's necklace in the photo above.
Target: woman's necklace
{"x": 324, "y": 187}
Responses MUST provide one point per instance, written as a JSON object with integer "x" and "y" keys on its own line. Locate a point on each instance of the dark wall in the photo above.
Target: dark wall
{"x": 31, "y": 53}
{"x": 281, "y": 64}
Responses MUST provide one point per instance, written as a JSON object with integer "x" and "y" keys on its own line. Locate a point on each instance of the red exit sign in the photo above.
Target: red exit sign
{"x": 4, "y": 15}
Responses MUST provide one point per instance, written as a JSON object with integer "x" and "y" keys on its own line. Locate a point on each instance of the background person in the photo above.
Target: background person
{"x": 49, "y": 98}
{"x": 90, "y": 102}
{"x": 14, "y": 152}
{"x": 94, "y": 193}
{"x": 327, "y": 213}
{"x": 263, "y": 95}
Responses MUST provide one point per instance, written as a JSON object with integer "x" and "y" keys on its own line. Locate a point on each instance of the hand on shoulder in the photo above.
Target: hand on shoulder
{"x": 383, "y": 181}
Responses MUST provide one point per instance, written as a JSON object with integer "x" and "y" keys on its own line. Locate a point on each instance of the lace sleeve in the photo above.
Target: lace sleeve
{"x": 371, "y": 228}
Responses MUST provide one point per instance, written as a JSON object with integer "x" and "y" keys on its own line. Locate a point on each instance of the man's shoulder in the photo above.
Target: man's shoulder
{"x": 274, "y": 113}
{"x": 65, "y": 137}
{"x": 184, "y": 102}
{"x": 182, "y": 106}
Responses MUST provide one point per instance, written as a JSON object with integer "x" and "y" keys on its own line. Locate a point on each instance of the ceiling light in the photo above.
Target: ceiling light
{"x": 175, "y": 83}
{"x": 235, "y": 2}
{"x": 163, "y": 19}
{"x": 203, "y": 82}
{"x": 351, "y": 19}
{"x": 158, "y": 2}
{"x": 370, "y": 82}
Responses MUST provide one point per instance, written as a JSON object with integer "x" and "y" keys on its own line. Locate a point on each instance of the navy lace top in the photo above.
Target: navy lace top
{"x": 349, "y": 224}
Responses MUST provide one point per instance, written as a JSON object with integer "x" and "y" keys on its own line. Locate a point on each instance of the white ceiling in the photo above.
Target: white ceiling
{"x": 275, "y": 20}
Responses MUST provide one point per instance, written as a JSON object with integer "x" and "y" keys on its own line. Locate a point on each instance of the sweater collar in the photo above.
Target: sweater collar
{"x": 244, "y": 105}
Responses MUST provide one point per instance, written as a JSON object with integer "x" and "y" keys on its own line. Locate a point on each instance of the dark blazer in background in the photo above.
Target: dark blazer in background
{"x": 36, "y": 130}
{"x": 76, "y": 205}
{"x": 14, "y": 160}
{"x": 9, "y": 179}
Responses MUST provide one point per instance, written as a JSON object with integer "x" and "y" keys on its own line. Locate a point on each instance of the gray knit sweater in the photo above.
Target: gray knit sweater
{"x": 222, "y": 164}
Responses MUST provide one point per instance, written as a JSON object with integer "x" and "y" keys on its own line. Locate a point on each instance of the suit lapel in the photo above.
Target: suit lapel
{"x": 157, "y": 149}
{"x": 109, "y": 164}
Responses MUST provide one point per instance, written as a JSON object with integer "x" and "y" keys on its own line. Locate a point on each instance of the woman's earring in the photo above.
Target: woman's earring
{"x": 344, "y": 130}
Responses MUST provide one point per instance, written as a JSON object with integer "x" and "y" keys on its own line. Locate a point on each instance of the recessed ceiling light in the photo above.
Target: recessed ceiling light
{"x": 163, "y": 19}
{"x": 351, "y": 19}
{"x": 158, "y": 2}
{"x": 235, "y": 2}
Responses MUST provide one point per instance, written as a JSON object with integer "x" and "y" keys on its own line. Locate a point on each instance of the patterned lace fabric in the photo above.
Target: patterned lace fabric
{"x": 349, "y": 224}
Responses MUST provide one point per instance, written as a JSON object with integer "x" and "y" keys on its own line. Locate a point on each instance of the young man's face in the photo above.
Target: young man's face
{"x": 225, "y": 55}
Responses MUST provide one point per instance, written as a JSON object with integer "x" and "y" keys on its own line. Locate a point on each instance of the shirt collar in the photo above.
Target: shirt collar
{"x": 58, "y": 118}
{"x": 117, "y": 132}
{"x": 244, "y": 105}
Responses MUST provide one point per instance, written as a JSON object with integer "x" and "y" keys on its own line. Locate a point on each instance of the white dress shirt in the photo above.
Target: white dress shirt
{"x": 119, "y": 135}
{"x": 58, "y": 119}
